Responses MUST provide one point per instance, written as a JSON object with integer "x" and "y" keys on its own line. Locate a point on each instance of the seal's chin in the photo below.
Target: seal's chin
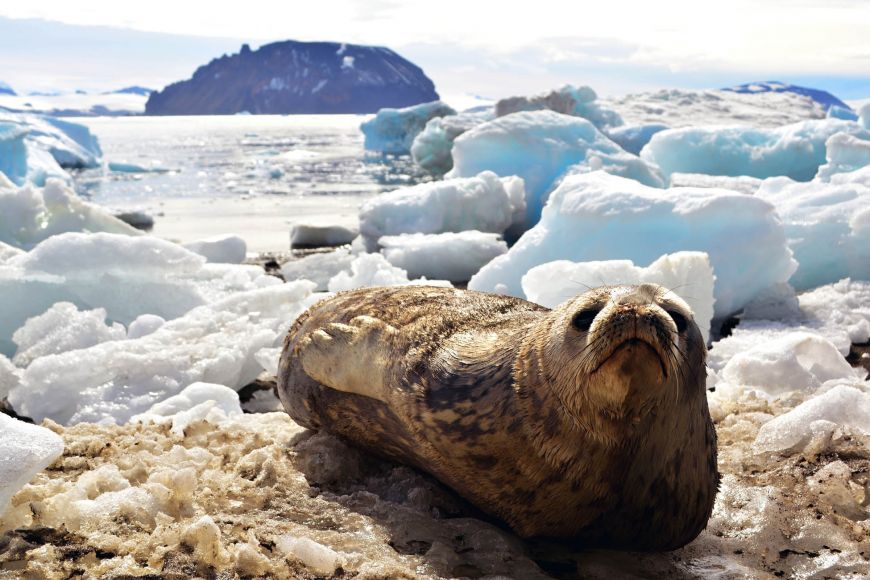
{"x": 635, "y": 355}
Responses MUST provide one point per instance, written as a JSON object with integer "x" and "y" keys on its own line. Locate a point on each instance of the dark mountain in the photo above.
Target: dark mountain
{"x": 297, "y": 77}
{"x": 824, "y": 98}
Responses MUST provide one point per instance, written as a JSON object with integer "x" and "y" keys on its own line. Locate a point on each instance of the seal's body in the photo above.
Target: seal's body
{"x": 589, "y": 421}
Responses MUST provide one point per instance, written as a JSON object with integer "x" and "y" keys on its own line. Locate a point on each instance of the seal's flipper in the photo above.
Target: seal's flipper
{"x": 353, "y": 357}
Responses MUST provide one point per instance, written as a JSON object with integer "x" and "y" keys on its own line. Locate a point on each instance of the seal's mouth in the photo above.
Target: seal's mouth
{"x": 634, "y": 348}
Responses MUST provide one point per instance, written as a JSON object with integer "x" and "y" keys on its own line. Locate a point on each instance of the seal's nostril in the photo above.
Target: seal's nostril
{"x": 679, "y": 320}
{"x": 583, "y": 319}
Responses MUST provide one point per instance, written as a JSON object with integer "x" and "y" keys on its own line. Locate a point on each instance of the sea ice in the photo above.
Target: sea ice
{"x": 144, "y": 325}
{"x": 844, "y": 153}
{"x": 841, "y": 406}
{"x": 688, "y": 273}
{"x": 827, "y": 225}
{"x": 223, "y": 249}
{"x": 794, "y": 151}
{"x": 314, "y": 555}
{"x": 742, "y": 183}
{"x": 632, "y": 138}
{"x": 393, "y": 130}
{"x": 449, "y": 256}
{"x": 598, "y": 216}
{"x": 7, "y": 252}
{"x": 864, "y": 115}
{"x": 316, "y": 236}
{"x": 29, "y": 215}
{"x": 25, "y": 450}
{"x": 540, "y": 146}
{"x": 432, "y": 148}
{"x": 481, "y": 202}
{"x": 115, "y": 380}
{"x": 836, "y": 112}
{"x": 62, "y": 328}
{"x": 10, "y": 375}
{"x": 568, "y": 100}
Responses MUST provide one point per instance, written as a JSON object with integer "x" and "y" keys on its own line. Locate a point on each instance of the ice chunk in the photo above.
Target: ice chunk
{"x": 842, "y": 405}
{"x": 25, "y": 450}
{"x": 828, "y": 227}
{"x": 836, "y": 112}
{"x": 7, "y": 252}
{"x": 319, "y": 268}
{"x": 688, "y": 273}
{"x": 368, "y": 270}
{"x": 632, "y": 138}
{"x": 196, "y": 402}
{"x": 225, "y": 249}
{"x": 144, "y": 325}
{"x": 483, "y": 202}
{"x": 314, "y": 236}
{"x": 61, "y": 328}
{"x": 450, "y": 256}
{"x": 797, "y": 361}
{"x": 603, "y": 217}
{"x": 116, "y": 380}
{"x": 432, "y": 148}
{"x": 741, "y": 183}
{"x": 540, "y": 146}
{"x": 864, "y": 116}
{"x": 29, "y": 215}
{"x": 844, "y": 153}
{"x": 569, "y": 100}
{"x": 795, "y": 151}
{"x": 316, "y": 556}
{"x": 393, "y": 130}
{"x": 842, "y": 308}
{"x": 268, "y": 358}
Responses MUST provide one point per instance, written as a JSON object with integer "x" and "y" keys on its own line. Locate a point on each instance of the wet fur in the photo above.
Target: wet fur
{"x": 493, "y": 396}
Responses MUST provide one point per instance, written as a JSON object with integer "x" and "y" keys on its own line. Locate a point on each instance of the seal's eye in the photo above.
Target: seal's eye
{"x": 583, "y": 319}
{"x": 679, "y": 320}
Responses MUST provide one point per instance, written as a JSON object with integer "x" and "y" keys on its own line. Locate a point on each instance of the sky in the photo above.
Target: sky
{"x": 487, "y": 48}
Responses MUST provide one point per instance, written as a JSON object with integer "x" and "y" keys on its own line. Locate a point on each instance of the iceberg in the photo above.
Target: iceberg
{"x": 540, "y": 147}
{"x": 827, "y": 225}
{"x": 794, "y": 151}
{"x": 686, "y": 274}
{"x": 432, "y": 148}
{"x": 393, "y": 130}
{"x": 598, "y": 216}
{"x": 482, "y": 202}
{"x": 450, "y": 256}
{"x": 844, "y": 153}
{"x": 30, "y": 215}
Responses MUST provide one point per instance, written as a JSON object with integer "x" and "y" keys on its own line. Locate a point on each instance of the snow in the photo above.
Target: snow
{"x": 824, "y": 98}
{"x": 684, "y": 108}
{"x": 25, "y": 450}
{"x": 318, "y": 268}
{"x": 686, "y": 274}
{"x": 112, "y": 381}
{"x": 827, "y": 224}
{"x": 864, "y": 115}
{"x": 568, "y": 100}
{"x": 29, "y": 214}
{"x": 841, "y": 406}
{"x": 144, "y": 324}
{"x": 127, "y": 276}
{"x": 741, "y": 183}
{"x": 481, "y": 202}
{"x": 9, "y": 376}
{"x": 836, "y": 112}
{"x": 196, "y": 402}
{"x": 432, "y": 147}
{"x": 794, "y": 151}
{"x": 62, "y": 328}
{"x": 632, "y": 138}
{"x": 393, "y": 130}
{"x": 315, "y": 556}
{"x": 373, "y": 270}
{"x": 223, "y": 249}
{"x": 34, "y": 148}
{"x": 541, "y": 146}
{"x": 449, "y": 256}
{"x": 304, "y": 235}
{"x": 598, "y": 216}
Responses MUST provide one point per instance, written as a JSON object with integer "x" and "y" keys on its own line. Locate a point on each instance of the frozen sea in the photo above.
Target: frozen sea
{"x": 244, "y": 174}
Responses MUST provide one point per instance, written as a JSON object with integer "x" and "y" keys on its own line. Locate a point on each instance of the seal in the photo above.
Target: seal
{"x": 588, "y": 421}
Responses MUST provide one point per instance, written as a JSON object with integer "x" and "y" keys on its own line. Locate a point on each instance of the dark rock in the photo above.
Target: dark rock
{"x": 297, "y": 77}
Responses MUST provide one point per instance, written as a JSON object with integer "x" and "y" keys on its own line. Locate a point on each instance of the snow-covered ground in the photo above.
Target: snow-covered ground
{"x": 130, "y": 349}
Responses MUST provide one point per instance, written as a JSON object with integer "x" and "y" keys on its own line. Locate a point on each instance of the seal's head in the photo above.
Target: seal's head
{"x": 615, "y": 353}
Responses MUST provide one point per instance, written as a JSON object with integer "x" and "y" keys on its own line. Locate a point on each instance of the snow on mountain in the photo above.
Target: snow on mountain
{"x": 78, "y": 104}
{"x": 824, "y": 98}
{"x": 6, "y": 89}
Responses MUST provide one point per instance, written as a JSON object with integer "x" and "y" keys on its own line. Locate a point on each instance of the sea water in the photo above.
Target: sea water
{"x": 253, "y": 175}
